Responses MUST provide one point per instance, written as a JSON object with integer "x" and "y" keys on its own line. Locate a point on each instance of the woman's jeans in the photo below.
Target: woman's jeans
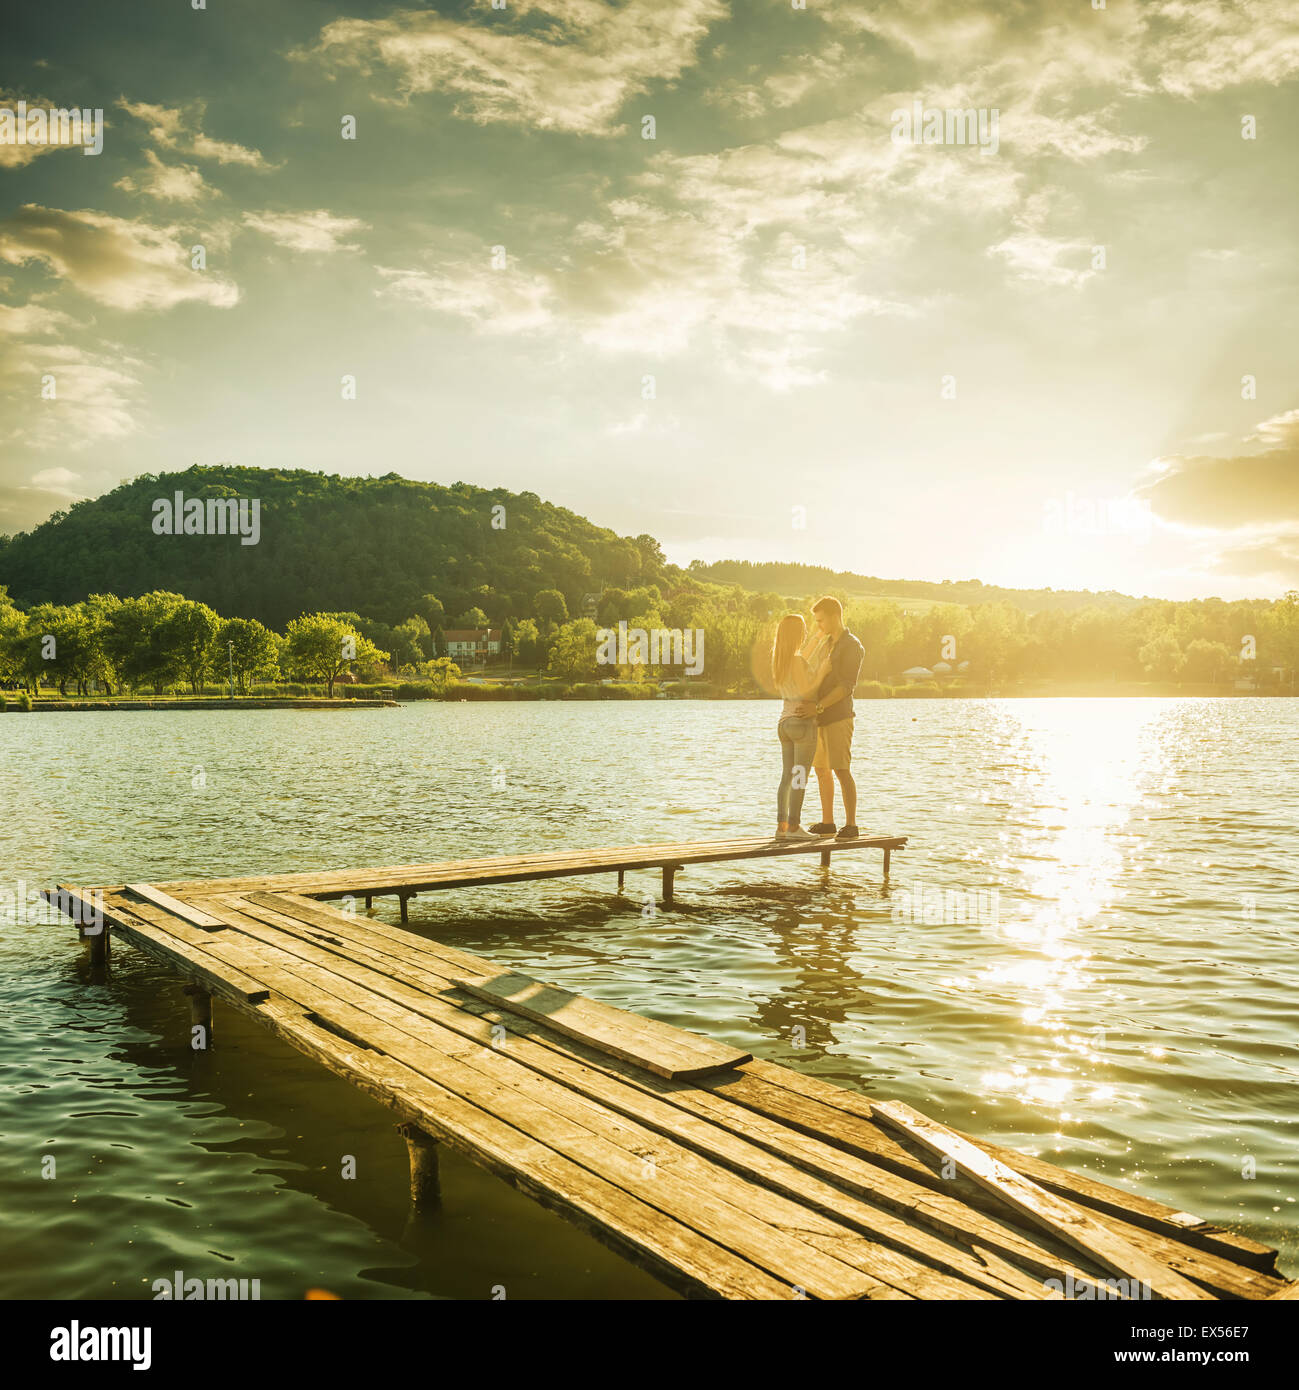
{"x": 797, "y": 749}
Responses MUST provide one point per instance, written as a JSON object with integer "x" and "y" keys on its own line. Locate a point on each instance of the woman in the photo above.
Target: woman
{"x": 796, "y": 681}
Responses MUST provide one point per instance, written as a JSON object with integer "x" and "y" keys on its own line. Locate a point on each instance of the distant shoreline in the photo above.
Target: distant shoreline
{"x": 496, "y": 694}
{"x": 162, "y": 703}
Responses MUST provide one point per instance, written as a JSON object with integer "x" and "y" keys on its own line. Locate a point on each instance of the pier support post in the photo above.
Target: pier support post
{"x": 888, "y": 854}
{"x": 97, "y": 942}
{"x": 404, "y": 898}
{"x": 425, "y": 1183}
{"x": 825, "y": 858}
{"x": 669, "y": 875}
{"x": 621, "y": 872}
{"x": 369, "y": 900}
{"x": 200, "y": 1016}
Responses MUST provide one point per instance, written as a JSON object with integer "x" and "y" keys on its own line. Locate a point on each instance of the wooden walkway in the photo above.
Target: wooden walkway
{"x": 723, "y": 1175}
{"x": 406, "y": 880}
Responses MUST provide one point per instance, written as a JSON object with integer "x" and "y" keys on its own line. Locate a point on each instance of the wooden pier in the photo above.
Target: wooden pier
{"x": 406, "y": 880}
{"x": 722, "y": 1174}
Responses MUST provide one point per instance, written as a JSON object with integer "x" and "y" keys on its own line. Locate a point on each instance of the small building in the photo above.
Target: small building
{"x": 591, "y": 604}
{"x": 473, "y": 643}
{"x": 917, "y": 673}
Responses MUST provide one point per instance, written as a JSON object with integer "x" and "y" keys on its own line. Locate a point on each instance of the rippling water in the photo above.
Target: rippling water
{"x": 1088, "y": 951}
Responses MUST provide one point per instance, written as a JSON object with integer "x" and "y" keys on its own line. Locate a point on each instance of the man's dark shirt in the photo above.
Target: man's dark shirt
{"x": 845, "y": 663}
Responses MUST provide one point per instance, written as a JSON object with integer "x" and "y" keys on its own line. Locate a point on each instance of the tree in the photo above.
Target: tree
{"x": 878, "y": 627}
{"x": 322, "y": 646}
{"x": 191, "y": 630}
{"x": 439, "y": 642}
{"x": 13, "y": 624}
{"x": 550, "y": 606}
{"x": 142, "y": 644}
{"x": 441, "y": 671}
{"x": 431, "y": 610}
{"x": 414, "y": 640}
{"x": 526, "y": 640}
{"x": 1162, "y": 657}
{"x": 1206, "y": 661}
{"x": 473, "y": 617}
{"x": 573, "y": 651}
{"x": 251, "y": 648}
{"x": 99, "y": 610}
{"x": 56, "y": 646}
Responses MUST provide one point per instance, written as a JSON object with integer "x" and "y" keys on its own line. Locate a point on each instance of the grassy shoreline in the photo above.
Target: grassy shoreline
{"x": 391, "y": 696}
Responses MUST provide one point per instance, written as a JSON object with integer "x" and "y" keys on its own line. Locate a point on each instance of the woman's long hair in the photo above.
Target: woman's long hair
{"x": 790, "y": 633}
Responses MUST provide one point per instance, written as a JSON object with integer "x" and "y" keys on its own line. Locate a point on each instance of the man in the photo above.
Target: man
{"x": 834, "y": 718}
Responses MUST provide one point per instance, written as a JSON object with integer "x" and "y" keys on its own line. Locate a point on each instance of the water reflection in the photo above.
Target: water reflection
{"x": 1082, "y": 771}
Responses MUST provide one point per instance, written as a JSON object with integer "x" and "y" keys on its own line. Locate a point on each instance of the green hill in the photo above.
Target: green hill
{"x": 373, "y": 546}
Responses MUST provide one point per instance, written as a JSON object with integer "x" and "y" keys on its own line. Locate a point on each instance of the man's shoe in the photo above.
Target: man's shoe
{"x": 849, "y": 832}
{"x": 824, "y": 827}
{"x": 796, "y": 832}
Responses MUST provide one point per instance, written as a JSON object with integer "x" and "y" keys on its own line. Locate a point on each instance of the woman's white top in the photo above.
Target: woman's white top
{"x": 792, "y": 691}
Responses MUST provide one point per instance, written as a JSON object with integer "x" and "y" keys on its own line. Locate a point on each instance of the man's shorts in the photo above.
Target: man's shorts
{"x": 834, "y": 745}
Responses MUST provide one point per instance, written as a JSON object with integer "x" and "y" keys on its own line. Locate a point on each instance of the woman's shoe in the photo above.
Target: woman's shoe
{"x": 825, "y": 827}
{"x": 849, "y": 832}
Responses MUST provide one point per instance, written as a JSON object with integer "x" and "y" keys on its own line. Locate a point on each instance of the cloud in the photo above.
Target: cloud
{"x": 464, "y": 284}
{"x": 318, "y": 231}
{"x": 1180, "y": 47}
{"x": 173, "y": 183}
{"x": 1194, "y": 46}
{"x": 15, "y": 156}
{"x": 1247, "y": 505}
{"x": 95, "y": 396}
{"x": 179, "y": 129}
{"x": 29, "y": 320}
{"x": 58, "y": 479}
{"x": 1241, "y": 490}
{"x": 1038, "y": 259}
{"x": 565, "y": 65}
{"x": 120, "y": 262}
{"x": 1276, "y": 559}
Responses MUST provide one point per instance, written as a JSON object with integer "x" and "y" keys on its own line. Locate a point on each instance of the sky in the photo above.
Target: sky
{"x": 680, "y": 266}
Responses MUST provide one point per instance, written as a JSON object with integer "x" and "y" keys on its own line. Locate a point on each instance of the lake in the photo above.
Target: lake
{"x": 1088, "y": 951}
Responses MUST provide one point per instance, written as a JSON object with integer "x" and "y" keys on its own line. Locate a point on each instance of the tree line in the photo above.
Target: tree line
{"x": 162, "y": 640}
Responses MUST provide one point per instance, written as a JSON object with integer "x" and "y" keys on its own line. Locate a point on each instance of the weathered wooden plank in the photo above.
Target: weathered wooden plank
{"x": 720, "y": 1206}
{"x": 670, "y": 1248}
{"x": 1167, "y": 1221}
{"x": 705, "y": 1137}
{"x": 192, "y": 961}
{"x": 175, "y": 906}
{"x": 664, "y": 1050}
{"x": 1070, "y": 1223}
{"x": 673, "y": 1252}
{"x": 1290, "y": 1291}
{"x": 83, "y": 906}
{"x": 941, "y": 1212}
{"x": 660, "y": 1047}
{"x": 754, "y": 1089}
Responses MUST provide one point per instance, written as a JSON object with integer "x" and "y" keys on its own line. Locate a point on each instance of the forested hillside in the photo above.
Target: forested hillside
{"x": 802, "y": 581}
{"x": 374, "y": 546}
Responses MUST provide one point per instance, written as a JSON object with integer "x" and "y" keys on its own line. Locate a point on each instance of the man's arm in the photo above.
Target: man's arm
{"x": 834, "y": 696}
{"x": 845, "y": 665}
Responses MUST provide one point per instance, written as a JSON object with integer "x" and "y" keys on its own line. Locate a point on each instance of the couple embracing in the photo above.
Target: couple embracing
{"x": 815, "y": 673}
